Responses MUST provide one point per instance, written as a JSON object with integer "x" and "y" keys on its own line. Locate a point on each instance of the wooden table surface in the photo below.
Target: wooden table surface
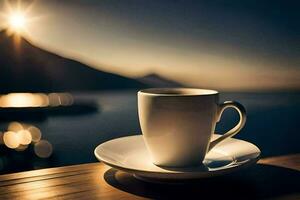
{"x": 275, "y": 178}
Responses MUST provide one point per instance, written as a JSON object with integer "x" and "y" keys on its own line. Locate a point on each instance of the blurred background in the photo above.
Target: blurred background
{"x": 69, "y": 71}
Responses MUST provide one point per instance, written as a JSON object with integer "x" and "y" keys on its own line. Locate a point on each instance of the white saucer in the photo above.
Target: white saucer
{"x": 129, "y": 154}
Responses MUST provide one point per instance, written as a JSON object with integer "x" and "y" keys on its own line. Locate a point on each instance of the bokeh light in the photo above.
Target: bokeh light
{"x": 11, "y": 139}
{"x": 23, "y": 100}
{"x": 54, "y": 99}
{"x": 21, "y": 147}
{"x": 43, "y": 149}
{"x": 36, "y": 134}
{"x": 19, "y": 136}
{"x": 66, "y": 99}
{"x": 60, "y": 99}
{"x": 24, "y": 137}
{"x": 15, "y": 126}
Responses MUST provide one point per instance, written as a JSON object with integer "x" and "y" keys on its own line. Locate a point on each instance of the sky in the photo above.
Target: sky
{"x": 227, "y": 45}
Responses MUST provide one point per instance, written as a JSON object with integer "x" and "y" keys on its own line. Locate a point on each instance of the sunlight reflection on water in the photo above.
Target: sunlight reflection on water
{"x": 23, "y": 100}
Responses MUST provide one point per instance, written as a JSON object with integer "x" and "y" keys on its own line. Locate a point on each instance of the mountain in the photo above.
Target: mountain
{"x": 27, "y": 68}
{"x": 155, "y": 80}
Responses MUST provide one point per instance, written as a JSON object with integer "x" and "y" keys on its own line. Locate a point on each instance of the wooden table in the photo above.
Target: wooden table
{"x": 275, "y": 177}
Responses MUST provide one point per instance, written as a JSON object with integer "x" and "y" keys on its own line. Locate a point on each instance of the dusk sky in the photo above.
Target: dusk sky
{"x": 229, "y": 45}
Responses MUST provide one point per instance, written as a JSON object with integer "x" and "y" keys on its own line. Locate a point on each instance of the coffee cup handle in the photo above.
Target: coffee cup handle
{"x": 242, "y": 113}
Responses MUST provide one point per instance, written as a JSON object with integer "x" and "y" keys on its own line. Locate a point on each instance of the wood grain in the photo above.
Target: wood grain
{"x": 98, "y": 181}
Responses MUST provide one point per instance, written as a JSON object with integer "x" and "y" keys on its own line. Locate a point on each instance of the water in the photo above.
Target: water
{"x": 272, "y": 125}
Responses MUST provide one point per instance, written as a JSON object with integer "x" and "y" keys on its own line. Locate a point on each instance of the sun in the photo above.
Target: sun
{"x": 18, "y": 17}
{"x": 17, "y": 21}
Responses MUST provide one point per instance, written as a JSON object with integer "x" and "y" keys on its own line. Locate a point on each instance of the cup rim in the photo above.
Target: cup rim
{"x": 177, "y": 92}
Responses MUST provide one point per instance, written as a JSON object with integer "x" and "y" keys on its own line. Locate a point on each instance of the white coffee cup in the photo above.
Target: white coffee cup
{"x": 178, "y": 123}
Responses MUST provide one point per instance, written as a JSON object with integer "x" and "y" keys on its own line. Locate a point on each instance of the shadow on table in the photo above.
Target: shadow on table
{"x": 260, "y": 181}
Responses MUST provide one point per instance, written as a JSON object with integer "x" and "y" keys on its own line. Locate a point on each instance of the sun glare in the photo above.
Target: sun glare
{"x": 17, "y": 21}
{"x": 17, "y": 17}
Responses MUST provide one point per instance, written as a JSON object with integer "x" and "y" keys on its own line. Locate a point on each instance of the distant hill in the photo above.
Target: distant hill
{"x": 155, "y": 80}
{"x": 29, "y": 68}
